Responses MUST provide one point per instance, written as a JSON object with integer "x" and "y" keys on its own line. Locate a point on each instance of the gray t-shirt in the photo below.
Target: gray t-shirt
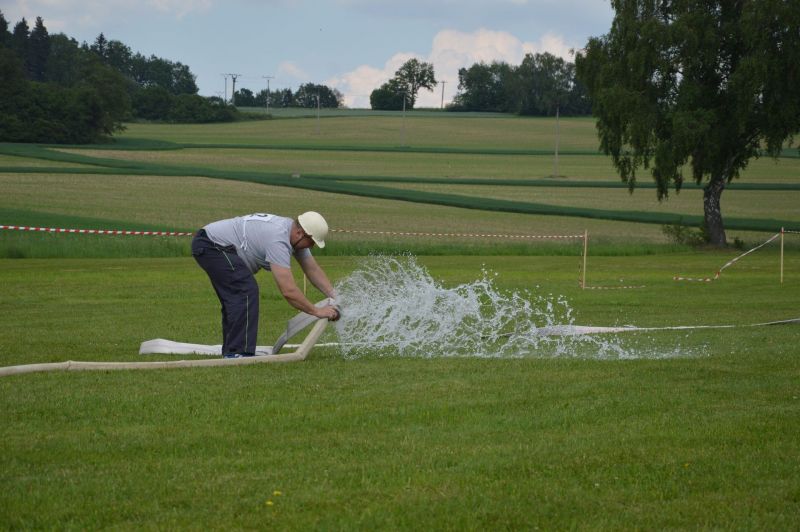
{"x": 259, "y": 239}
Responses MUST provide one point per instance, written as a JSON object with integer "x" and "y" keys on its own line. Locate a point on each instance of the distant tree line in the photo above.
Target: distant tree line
{"x": 59, "y": 91}
{"x": 540, "y": 85}
{"x": 305, "y": 96}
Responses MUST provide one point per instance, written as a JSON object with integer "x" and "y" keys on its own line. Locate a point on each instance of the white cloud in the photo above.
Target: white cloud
{"x": 358, "y": 84}
{"x": 288, "y": 69}
{"x": 180, "y": 8}
{"x": 450, "y": 51}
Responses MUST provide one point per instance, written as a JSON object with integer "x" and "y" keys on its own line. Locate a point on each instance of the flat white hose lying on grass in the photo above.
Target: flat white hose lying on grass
{"x": 575, "y": 330}
{"x": 296, "y": 324}
{"x": 160, "y": 346}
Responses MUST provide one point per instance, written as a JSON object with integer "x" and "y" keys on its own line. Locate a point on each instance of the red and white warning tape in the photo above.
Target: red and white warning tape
{"x": 698, "y": 279}
{"x": 474, "y": 235}
{"x": 729, "y": 263}
{"x": 353, "y": 231}
{"x": 612, "y": 287}
{"x": 93, "y": 231}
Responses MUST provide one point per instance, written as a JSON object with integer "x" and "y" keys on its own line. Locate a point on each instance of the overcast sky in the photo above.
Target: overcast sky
{"x": 351, "y": 45}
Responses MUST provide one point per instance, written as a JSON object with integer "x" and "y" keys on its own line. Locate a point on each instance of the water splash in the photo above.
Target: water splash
{"x": 392, "y": 306}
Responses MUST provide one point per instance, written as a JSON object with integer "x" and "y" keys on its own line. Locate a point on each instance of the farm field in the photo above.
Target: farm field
{"x": 352, "y": 163}
{"x": 144, "y": 202}
{"x": 668, "y": 428}
{"x": 386, "y": 130}
{"x": 493, "y": 165}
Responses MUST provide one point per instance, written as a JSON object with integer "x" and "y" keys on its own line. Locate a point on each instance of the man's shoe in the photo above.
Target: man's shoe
{"x": 238, "y": 355}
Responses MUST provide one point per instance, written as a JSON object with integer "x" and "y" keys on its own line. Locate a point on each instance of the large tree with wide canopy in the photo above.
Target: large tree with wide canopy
{"x": 706, "y": 85}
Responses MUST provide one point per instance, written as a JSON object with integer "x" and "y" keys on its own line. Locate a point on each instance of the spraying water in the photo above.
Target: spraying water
{"x": 392, "y": 306}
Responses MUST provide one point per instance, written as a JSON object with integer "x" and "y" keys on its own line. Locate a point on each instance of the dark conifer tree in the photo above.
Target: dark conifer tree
{"x": 5, "y": 35}
{"x": 100, "y": 46}
{"x": 19, "y": 39}
{"x": 38, "y": 51}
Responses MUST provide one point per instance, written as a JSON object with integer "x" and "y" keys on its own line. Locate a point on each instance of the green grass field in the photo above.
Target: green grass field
{"x": 707, "y": 439}
{"x": 683, "y": 429}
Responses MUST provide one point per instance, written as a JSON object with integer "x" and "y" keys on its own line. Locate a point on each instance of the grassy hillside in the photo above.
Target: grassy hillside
{"x": 354, "y": 169}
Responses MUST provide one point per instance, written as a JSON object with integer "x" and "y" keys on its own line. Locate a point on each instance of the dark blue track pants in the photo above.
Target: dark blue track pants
{"x": 237, "y": 290}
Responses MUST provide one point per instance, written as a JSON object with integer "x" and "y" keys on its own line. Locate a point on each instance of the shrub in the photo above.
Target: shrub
{"x": 680, "y": 234}
{"x": 191, "y": 108}
{"x": 152, "y": 103}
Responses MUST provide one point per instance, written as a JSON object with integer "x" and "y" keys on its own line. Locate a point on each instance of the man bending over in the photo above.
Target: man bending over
{"x": 231, "y": 252}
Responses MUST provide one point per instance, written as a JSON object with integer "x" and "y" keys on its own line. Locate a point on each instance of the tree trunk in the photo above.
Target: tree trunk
{"x": 713, "y": 212}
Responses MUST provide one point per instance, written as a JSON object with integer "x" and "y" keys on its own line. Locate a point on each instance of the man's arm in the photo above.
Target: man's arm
{"x": 292, "y": 294}
{"x": 316, "y": 275}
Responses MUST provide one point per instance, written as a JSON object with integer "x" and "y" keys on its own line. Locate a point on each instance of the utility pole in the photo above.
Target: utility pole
{"x": 318, "y": 113}
{"x": 233, "y": 89}
{"x": 557, "y": 138}
{"x": 267, "y": 98}
{"x": 225, "y": 98}
{"x": 405, "y": 94}
{"x": 443, "y": 83}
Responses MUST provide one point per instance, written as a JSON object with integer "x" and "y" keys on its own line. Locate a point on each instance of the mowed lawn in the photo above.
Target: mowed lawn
{"x": 698, "y": 432}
